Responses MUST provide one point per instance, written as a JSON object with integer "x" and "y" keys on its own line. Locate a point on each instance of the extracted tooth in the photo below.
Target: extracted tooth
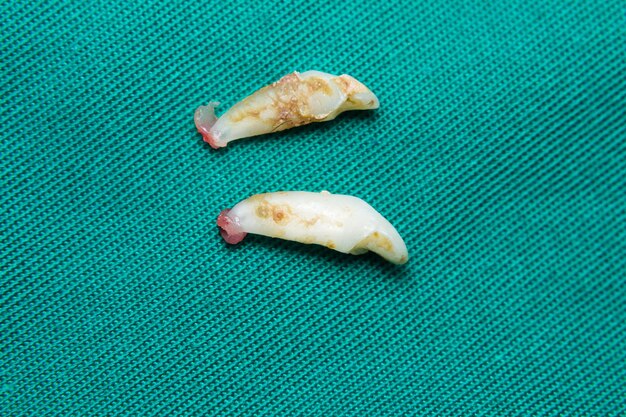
{"x": 294, "y": 100}
{"x": 341, "y": 222}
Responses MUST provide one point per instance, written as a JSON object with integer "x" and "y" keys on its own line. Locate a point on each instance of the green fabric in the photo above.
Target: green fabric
{"x": 499, "y": 153}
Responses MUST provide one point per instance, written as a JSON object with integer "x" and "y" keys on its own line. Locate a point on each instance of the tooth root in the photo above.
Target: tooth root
{"x": 294, "y": 100}
{"x": 340, "y": 222}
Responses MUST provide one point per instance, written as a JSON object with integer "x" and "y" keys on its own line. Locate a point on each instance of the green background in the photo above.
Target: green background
{"x": 499, "y": 153}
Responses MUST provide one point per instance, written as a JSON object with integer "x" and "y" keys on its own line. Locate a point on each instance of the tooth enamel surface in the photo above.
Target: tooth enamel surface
{"x": 294, "y": 100}
{"x": 340, "y": 222}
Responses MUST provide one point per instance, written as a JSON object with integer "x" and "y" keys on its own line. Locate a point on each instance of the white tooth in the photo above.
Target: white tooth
{"x": 341, "y": 222}
{"x": 294, "y": 100}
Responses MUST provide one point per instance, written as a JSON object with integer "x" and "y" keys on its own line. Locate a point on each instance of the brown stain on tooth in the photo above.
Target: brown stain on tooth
{"x": 279, "y": 214}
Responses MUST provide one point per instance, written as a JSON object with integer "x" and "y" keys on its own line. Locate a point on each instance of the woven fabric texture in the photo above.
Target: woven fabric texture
{"x": 498, "y": 152}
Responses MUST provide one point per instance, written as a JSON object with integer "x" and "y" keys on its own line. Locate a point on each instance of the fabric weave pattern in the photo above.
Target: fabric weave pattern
{"x": 499, "y": 153}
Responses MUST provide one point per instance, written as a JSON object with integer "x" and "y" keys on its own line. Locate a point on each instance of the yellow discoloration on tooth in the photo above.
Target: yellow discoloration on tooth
{"x": 376, "y": 240}
{"x": 263, "y": 212}
{"x": 309, "y": 222}
{"x": 316, "y": 85}
{"x": 308, "y": 240}
{"x": 251, "y": 113}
